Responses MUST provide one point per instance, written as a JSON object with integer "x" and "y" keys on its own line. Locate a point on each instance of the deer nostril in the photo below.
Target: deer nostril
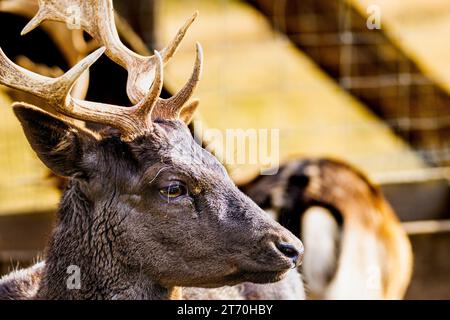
{"x": 289, "y": 251}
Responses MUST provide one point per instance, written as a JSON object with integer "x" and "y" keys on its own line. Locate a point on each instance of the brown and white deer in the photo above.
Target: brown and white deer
{"x": 357, "y": 248}
{"x": 146, "y": 210}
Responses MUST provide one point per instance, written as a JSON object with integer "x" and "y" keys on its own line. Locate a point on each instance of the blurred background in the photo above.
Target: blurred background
{"x": 363, "y": 81}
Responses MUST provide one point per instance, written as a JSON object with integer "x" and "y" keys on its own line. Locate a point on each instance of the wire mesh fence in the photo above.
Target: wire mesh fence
{"x": 343, "y": 38}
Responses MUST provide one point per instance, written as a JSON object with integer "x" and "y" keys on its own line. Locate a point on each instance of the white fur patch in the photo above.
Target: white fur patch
{"x": 360, "y": 273}
{"x": 272, "y": 213}
{"x": 320, "y": 235}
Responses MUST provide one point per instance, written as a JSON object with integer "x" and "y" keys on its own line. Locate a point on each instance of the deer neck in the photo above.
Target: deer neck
{"x": 83, "y": 262}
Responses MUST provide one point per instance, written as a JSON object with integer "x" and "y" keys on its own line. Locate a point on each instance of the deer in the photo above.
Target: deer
{"x": 146, "y": 210}
{"x": 357, "y": 248}
{"x": 298, "y": 209}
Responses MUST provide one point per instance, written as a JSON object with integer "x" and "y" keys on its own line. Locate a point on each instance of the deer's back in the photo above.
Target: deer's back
{"x": 21, "y": 284}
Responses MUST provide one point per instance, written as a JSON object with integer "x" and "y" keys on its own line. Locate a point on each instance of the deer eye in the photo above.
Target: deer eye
{"x": 173, "y": 191}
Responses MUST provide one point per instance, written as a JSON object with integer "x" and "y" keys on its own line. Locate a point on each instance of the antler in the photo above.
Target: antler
{"x": 96, "y": 17}
{"x": 70, "y": 42}
{"x": 132, "y": 122}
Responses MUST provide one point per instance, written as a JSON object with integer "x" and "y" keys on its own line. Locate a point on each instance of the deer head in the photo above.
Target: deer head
{"x": 146, "y": 207}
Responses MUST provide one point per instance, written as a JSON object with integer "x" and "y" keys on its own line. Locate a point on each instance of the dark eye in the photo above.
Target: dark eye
{"x": 173, "y": 191}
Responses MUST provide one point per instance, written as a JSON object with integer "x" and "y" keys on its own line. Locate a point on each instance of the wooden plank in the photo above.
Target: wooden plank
{"x": 419, "y": 200}
{"x": 23, "y": 238}
{"x": 427, "y": 227}
{"x": 431, "y": 278}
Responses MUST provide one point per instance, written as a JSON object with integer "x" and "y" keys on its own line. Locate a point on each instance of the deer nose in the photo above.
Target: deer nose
{"x": 292, "y": 252}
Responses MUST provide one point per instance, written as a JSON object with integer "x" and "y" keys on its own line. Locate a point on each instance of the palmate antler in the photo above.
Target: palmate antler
{"x": 96, "y": 17}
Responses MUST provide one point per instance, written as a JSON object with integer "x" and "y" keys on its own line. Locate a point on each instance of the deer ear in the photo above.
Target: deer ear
{"x": 58, "y": 143}
{"x": 187, "y": 113}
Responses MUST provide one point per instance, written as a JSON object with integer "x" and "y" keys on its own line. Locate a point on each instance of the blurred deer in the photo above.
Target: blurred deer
{"x": 356, "y": 247}
{"x": 146, "y": 210}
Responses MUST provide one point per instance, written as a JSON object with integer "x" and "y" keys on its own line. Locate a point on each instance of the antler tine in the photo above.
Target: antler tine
{"x": 145, "y": 107}
{"x": 96, "y": 17}
{"x": 172, "y": 47}
{"x": 170, "y": 108}
{"x": 132, "y": 122}
{"x": 53, "y": 90}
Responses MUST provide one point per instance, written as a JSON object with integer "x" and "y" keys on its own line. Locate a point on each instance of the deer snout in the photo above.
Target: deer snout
{"x": 287, "y": 246}
{"x": 291, "y": 251}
